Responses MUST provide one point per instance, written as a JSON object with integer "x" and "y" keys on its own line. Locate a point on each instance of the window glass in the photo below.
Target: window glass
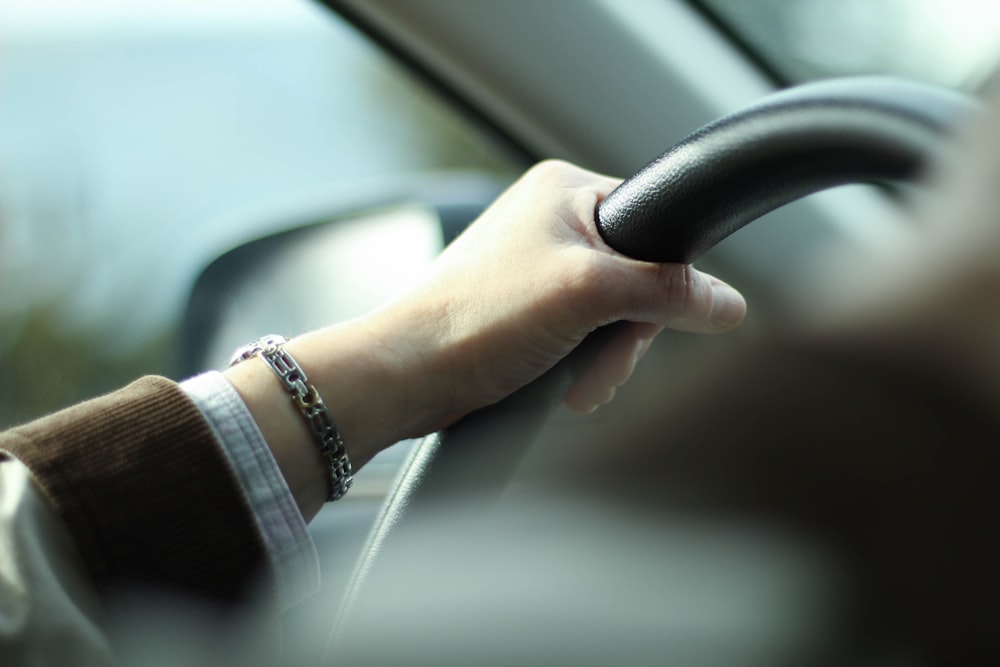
{"x": 951, "y": 42}
{"x": 134, "y": 134}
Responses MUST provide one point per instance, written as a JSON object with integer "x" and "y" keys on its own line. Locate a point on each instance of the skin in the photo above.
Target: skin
{"x": 514, "y": 294}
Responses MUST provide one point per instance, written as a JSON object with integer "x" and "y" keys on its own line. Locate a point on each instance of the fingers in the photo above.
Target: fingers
{"x": 698, "y": 302}
{"x": 728, "y": 306}
{"x": 676, "y": 296}
{"x": 682, "y": 298}
{"x": 617, "y": 287}
{"x": 612, "y": 367}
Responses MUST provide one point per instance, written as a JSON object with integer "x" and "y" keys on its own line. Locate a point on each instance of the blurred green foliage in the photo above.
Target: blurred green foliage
{"x": 47, "y": 366}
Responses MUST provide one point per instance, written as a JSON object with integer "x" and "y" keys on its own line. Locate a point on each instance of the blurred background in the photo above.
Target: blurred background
{"x": 139, "y": 140}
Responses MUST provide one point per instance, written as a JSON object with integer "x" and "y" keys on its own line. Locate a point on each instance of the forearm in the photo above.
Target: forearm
{"x": 368, "y": 399}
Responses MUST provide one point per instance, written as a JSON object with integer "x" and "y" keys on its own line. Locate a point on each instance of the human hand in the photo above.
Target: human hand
{"x": 526, "y": 283}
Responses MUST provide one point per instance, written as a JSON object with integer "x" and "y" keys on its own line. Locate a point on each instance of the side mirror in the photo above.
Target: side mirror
{"x": 326, "y": 263}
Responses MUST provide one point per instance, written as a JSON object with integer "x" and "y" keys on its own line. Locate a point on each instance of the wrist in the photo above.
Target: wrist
{"x": 312, "y": 400}
{"x": 356, "y": 384}
{"x": 383, "y": 377}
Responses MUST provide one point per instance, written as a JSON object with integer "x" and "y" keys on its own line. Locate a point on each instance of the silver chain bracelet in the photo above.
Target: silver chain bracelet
{"x": 310, "y": 404}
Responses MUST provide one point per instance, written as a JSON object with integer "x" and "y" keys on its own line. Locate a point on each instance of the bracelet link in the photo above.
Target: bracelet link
{"x": 308, "y": 400}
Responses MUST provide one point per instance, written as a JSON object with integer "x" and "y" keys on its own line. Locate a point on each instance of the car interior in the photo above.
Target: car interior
{"x": 611, "y": 85}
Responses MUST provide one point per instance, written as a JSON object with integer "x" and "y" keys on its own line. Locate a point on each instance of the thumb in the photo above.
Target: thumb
{"x": 680, "y": 297}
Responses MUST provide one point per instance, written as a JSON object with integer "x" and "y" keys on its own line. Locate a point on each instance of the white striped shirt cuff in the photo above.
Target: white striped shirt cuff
{"x": 289, "y": 547}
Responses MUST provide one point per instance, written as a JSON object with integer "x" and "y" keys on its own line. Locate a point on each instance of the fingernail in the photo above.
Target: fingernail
{"x": 728, "y": 306}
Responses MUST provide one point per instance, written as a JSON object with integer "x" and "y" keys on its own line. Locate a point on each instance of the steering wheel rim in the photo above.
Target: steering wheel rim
{"x": 790, "y": 144}
{"x": 720, "y": 178}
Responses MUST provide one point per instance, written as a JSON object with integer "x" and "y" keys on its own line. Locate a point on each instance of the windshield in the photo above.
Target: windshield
{"x": 950, "y": 42}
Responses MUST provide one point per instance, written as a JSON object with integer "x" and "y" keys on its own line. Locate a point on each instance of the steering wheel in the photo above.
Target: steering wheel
{"x": 725, "y": 175}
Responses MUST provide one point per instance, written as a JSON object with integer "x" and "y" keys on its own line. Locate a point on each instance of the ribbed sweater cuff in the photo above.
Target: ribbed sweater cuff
{"x": 146, "y": 493}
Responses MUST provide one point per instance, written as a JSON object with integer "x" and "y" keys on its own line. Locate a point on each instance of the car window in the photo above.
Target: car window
{"x": 136, "y": 139}
{"x": 951, "y": 42}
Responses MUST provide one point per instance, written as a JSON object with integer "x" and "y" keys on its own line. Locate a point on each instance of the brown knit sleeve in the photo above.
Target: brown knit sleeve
{"x": 146, "y": 493}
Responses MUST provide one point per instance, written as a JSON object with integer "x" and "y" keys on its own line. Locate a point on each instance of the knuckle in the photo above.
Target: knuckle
{"x": 688, "y": 296}
{"x": 553, "y": 171}
{"x": 679, "y": 280}
{"x": 551, "y": 166}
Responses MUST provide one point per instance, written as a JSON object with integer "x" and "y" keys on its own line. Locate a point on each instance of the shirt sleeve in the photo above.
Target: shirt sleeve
{"x": 290, "y": 549}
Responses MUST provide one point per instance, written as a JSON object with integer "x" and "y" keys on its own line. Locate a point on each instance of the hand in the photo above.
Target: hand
{"x": 514, "y": 294}
{"x": 526, "y": 283}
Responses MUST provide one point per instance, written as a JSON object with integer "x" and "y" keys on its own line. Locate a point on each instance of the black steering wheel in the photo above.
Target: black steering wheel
{"x": 729, "y": 173}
